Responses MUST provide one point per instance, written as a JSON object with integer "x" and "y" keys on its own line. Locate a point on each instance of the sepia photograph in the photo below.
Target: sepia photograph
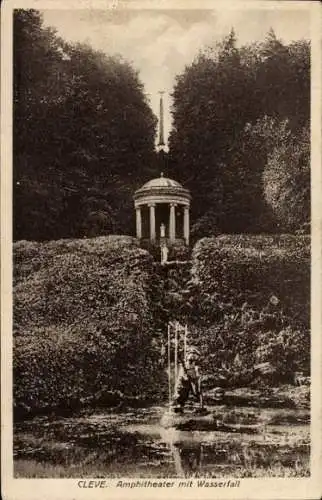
{"x": 161, "y": 245}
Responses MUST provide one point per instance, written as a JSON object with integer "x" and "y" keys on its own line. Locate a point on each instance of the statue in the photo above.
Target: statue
{"x": 164, "y": 253}
{"x": 162, "y": 231}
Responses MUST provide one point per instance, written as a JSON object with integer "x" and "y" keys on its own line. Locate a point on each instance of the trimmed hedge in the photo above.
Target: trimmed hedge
{"x": 249, "y": 302}
{"x": 259, "y": 270}
{"x": 89, "y": 315}
{"x": 83, "y": 322}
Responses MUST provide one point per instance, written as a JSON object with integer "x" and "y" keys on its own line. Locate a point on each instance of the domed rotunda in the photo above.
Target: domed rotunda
{"x": 162, "y": 211}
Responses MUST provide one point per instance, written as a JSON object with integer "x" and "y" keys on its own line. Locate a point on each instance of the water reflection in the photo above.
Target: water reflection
{"x": 134, "y": 444}
{"x": 187, "y": 459}
{"x": 194, "y": 451}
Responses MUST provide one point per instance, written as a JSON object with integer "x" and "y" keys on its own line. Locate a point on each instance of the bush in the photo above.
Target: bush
{"x": 83, "y": 321}
{"x": 288, "y": 351}
{"x": 269, "y": 272}
{"x": 249, "y": 302}
{"x": 206, "y": 225}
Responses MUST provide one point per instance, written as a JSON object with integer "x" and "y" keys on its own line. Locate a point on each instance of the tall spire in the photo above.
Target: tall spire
{"x": 161, "y": 125}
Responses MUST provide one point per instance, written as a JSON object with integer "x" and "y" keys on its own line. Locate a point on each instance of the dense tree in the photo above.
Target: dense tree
{"x": 210, "y": 108}
{"x": 286, "y": 181}
{"x": 283, "y": 80}
{"x": 83, "y": 136}
{"x": 214, "y": 148}
{"x": 37, "y": 54}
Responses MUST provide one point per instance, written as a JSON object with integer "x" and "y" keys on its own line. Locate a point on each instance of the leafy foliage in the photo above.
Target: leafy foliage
{"x": 286, "y": 181}
{"x": 83, "y": 142}
{"x": 288, "y": 350}
{"x": 89, "y": 140}
{"x": 83, "y": 322}
{"x": 214, "y": 149}
{"x": 249, "y": 302}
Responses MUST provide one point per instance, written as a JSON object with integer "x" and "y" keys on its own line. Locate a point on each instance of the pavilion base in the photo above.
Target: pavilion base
{"x": 178, "y": 242}
{"x": 177, "y": 250}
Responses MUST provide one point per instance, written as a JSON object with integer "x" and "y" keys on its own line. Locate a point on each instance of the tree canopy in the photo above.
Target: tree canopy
{"x": 83, "y": 136}
{"x": 286, "y": 178}
{"x": 214, "y": 147}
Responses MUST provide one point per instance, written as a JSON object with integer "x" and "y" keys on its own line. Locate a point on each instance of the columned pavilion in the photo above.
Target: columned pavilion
{"x": 162, "y": 211}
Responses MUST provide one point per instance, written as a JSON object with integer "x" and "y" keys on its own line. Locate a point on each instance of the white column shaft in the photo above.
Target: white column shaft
{"x": 138, "y": 223}
{"x": 172, "y": 223}
{"x": 186, "y": 225}
{"x": 152, "y": 222}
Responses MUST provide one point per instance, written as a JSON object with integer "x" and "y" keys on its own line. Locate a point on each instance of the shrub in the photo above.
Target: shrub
{"x": 249, "y": 302}
{"x": 288, "y": 351}
{"x": 206, "y": 225}
{"x": 269, "y": 272}
{"x": 83, "y": 321}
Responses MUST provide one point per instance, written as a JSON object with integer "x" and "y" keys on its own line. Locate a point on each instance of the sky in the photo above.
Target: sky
{"x": 160, "y": 43}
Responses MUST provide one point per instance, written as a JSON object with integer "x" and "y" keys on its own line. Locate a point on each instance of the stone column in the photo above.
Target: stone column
{"x": 186, "y": 224}
{"x": 152, "y": 221}
{"x": 138, "y": 223}
{"x": 172, "y": 222}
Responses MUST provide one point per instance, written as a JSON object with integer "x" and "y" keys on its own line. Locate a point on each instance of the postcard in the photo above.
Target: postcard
{"x": 161, "y": 249}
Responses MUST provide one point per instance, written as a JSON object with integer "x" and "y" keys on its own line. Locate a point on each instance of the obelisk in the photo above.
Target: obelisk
{"x": 161, "y": 124}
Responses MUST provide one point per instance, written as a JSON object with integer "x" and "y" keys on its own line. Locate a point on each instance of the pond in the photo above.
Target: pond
{"x": 242, "y": 442}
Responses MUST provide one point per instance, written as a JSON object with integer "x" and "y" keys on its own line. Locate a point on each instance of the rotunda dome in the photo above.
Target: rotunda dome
{"x": 162, "y": 189}
{"x": 161, "y": 182}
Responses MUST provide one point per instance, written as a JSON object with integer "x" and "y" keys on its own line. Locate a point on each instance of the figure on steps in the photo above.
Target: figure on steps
{"x": 188, "y": 381}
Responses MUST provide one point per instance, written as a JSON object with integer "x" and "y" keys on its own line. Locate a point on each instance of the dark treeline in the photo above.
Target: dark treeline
{"x": 240, "y": 138}
{"x": 84, "y": 136}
